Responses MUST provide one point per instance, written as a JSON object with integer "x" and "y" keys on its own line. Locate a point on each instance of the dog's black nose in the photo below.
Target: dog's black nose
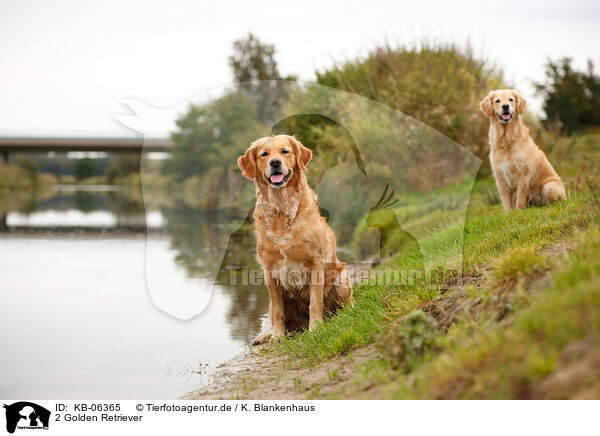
{"x": 275, "y": 163}
{"x": 505, "y": 107}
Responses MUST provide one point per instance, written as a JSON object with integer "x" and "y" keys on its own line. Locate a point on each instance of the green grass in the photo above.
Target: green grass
{"x": 519, "y": 262}
{"x": 489, "y": 233}
{"x": 505, "y": 336}
{"x": 349, "y": 328}
{"x": 509, "y": 361}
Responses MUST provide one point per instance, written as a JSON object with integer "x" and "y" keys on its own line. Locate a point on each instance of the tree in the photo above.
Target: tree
{"x": 440, "y": 85}
{"x": 207, "y": 143}
{"x": 30, "y": 167}
{"x": 213, "y": 135}
{"x": 254, "y": 68}
{"x": 571, "y": 98}
{"x": 85, "y": 168}
{"x": 122, "y": 166}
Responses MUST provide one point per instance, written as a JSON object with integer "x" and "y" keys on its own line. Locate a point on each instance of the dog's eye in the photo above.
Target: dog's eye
{"x": 497, "y": 100}
{"x": 511, "y": 99}
{"x": 285, "y": 151}
{"x": 264, "y": 153}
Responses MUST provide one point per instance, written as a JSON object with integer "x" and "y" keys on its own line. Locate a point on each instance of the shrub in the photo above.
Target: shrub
{"x": 407, "y": 339}
{"x": 519, "y": 262}
{"x": 439, "y": 85}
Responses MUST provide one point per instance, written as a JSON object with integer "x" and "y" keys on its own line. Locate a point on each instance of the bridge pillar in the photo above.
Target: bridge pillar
{"x": 4, "y": 157}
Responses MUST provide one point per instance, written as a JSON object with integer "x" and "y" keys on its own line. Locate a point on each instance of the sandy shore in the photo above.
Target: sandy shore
{"x": 266, "y": 376}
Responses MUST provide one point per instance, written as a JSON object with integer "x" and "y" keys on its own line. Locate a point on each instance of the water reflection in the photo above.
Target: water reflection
{"x": 80, "y": 253}
{"x": 68, "y": 207}
{"x": 200, "y": 238}
{"x": 197, "y": 238}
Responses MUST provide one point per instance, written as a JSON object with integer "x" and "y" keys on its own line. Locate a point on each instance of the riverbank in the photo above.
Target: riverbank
{"x": 489, "y": 318}
{"x": 520, "y": 321}
{"x": 259, "y": 375}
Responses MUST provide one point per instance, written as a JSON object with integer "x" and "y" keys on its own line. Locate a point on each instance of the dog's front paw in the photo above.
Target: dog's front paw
{"x": 263, "y": 338}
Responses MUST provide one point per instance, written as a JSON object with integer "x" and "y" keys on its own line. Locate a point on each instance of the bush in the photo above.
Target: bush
{"x": 439, "y": 85}
{"x": 519, "y": 262}
{"x": 15, "y": 177}
{"x": 407, "y": 339}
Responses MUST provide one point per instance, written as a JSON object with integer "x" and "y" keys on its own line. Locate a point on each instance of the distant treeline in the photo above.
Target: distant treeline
{"x": 438, "y": 84}
{"x": 34, "y": 170}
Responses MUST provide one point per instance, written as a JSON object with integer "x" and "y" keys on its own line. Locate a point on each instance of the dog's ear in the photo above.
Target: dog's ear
{"x": 303, "y": 154}
{"x": 247, "y": 163}
{"x": 486, "y": 105}
{"x": 521, "y": 103}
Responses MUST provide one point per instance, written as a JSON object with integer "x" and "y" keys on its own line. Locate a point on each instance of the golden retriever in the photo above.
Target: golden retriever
{"x": 522, "y": 172}
{"x": 295, "y": 246}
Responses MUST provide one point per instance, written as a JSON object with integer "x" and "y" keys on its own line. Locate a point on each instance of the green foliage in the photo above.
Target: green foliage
{"x": 403, "y": 78}
{"x": 85, "y": 168}
{"x": 439, "y": 85}
{"x": 519, "y": 262}
{"x": 29, "y": 166}
{"x": 571, "y": 97}
{"x": 407, "y": 339}
{"x": 514, "y": 360}
{"x": 253, "y": 62}
{"x": 209, "y": 140}
{"x": 121, "y": 166}
{"x": 14, "y": 177}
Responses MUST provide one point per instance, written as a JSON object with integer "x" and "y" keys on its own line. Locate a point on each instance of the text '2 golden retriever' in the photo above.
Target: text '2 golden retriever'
{"x": 523, "y": 174}
{"x": 295, "y": 246}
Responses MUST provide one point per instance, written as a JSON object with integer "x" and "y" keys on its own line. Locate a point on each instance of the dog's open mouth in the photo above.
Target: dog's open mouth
{"x": 504, "y": 118}
{"x": 278, "y": 179}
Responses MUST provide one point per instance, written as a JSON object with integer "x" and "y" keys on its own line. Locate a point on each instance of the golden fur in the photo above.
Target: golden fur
{"x": 296, "y": 247}
{"x": 522, "y": 172}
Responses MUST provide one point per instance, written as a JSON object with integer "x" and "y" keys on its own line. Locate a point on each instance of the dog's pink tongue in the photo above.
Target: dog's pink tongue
{"x": 277, "y": 178}
{"x": 505, "y": 116}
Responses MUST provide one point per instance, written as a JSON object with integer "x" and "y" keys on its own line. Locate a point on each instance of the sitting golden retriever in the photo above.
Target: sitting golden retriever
{"x": 523, "y": 174}
{"x": 295, "y": 245}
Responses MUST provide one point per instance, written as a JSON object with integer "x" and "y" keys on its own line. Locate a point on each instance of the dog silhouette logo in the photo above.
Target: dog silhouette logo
{"x": 26, "y": 415}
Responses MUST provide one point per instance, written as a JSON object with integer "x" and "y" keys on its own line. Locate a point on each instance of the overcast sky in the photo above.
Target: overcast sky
{"x": 65, "y": 65}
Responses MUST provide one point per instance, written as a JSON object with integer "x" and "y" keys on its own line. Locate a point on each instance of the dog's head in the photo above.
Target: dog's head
{"x": 274, "y": 160}
{"x": 503, "y": 104}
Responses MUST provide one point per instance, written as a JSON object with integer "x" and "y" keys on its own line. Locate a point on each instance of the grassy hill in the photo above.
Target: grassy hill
{"x": 521, "y": 320}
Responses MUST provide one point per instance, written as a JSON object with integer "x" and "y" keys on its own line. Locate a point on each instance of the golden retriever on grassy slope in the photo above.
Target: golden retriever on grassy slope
{"x": 295, "y": 245}
{"x": 523, "y": 174}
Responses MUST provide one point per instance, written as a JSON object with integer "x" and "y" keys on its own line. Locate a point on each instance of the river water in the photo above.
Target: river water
{"x": 103, "y": 296}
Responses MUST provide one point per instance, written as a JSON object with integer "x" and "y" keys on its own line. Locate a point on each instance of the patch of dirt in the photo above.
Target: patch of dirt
{"x": 257, "y": 376}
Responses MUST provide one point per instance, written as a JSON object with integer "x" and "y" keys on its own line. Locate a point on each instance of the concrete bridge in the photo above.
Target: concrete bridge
{"x": 111, "y": 145}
